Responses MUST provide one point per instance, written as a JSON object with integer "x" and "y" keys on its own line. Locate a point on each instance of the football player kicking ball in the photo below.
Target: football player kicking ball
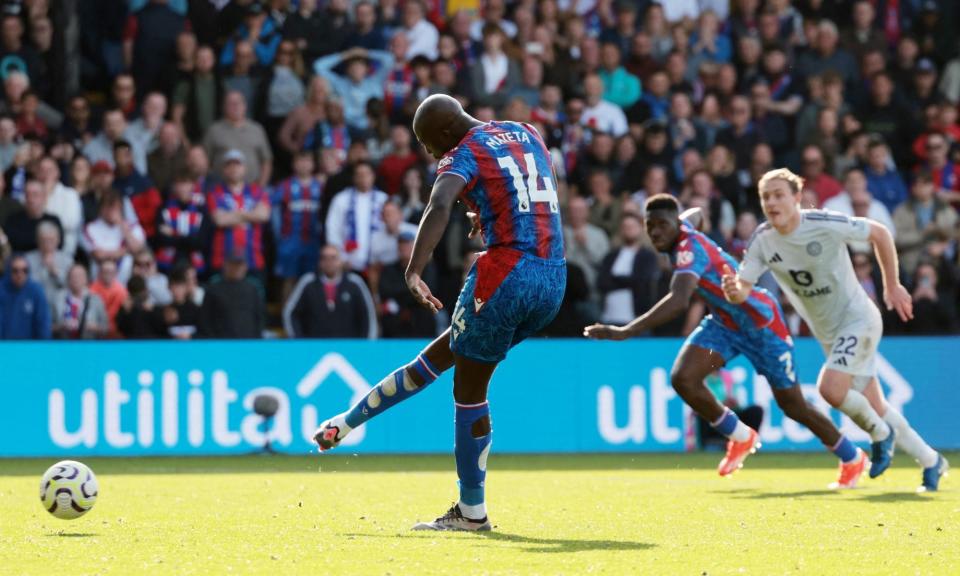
{"x": 807, "y": 252}
{"x": 503, "y": 172}
{"x": 753, "y": 327}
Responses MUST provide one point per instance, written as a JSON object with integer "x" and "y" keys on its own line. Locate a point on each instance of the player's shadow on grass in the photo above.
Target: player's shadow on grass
{"x": 896, "y": 497}
{"x": 72, "y": 534}
{"x": 747, "y": 494}
{"x": 554, "y": 545}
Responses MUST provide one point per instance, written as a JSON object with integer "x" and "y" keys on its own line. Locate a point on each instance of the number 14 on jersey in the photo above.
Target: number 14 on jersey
{"x": 528, "y": 189}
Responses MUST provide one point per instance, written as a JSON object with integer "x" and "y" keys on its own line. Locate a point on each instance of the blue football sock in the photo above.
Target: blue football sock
{"x": 727, "y": 423}
{"x": 471, "y": 453}
{"x": 393, "y": 389}
{"x": 845, "y": 450}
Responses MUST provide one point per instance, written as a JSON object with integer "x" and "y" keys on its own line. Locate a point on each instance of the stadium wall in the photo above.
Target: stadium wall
{"x": 156, "y": 398}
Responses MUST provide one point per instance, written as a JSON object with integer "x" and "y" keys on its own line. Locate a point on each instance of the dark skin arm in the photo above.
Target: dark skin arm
{"x": 669, "y": 307}
{"x": 435, "y": 219}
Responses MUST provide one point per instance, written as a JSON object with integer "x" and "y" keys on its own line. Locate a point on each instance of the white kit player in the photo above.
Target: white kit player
{"x": 806, "y": 250}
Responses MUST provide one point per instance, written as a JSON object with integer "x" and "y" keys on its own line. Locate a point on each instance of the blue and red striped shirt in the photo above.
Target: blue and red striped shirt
{"x": 247, "y": 238}
{"x": 511, "y": 186}
{"x": 297, "y": 210}
{"x": 697, "y": 254}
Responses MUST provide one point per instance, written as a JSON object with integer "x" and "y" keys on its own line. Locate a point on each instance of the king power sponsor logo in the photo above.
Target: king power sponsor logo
{"x": 210, "y": 401}
{"x": 649, "y": 408}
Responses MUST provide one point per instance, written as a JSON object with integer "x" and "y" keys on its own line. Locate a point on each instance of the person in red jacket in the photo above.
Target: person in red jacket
{"x": 136, "y": 187}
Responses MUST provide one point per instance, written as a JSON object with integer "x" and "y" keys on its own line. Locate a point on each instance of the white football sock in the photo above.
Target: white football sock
{"x": 474, "y": 511}
{"x": 908, "y": 439}
{"x": 858, "y": 408}
{"x": 741, "y": 433}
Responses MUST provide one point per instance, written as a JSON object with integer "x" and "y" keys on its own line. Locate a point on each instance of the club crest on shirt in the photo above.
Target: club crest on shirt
{"x": 814, "y": 248}
{"x": 684, "y": 258}
{"x": 444, "y": 162}
{"x": 478, "y": 304}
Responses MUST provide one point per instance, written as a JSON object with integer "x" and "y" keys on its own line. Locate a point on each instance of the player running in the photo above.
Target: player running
{"x": 807, "y": 252}
{"x": 754, "y": 327}
{"x": 503, "y": 172}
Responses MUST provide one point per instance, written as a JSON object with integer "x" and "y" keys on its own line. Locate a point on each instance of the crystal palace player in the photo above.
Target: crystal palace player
{"x": 754, "y": 328}
{"x": 807, "y": 252}
{"x": 503, "y": 172}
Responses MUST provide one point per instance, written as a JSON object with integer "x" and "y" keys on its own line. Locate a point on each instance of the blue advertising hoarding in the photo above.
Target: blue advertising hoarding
{"x": 157, "y": 398}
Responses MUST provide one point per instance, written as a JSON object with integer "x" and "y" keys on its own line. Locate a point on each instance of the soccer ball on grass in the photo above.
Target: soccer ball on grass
{"x": 68, "y": 489}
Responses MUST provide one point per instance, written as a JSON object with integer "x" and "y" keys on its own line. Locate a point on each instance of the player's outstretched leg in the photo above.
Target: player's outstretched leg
{"x": 474, "y": 436}
{"x": 403, "y": 383}
{"x": 692, "y": 365}
{"x": 853, "y": 461}
{"x": 934, "y": 465}
{"x": 837, "y": 389}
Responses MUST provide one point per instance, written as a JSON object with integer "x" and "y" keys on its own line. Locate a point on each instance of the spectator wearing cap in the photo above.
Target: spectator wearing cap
{"x": 21, "y": 228}
{"x": 149, "y": 44}
{"x": 496, "y": 75}
{"x": 232, "y": 308}
{"x": 235, "y": 132}
{"x": 168, "y": 159}
{"x": 922, "y": 91}
{"x": 920, "y": 219}
{"x": 183, "y": 228}
{"x": 883, "y": 180}
{"x": 114, "y": 129}
{"x": 48, "y": 264}
{"x": 62, "y": 202}
{"x": 260, "y": 30}
{"x": 24, "y": 313}
{"x": 197, "y": 99}
{"x": 136, "y": 188}
{"x": 238, "y": 211}
{"x": 599, "y": 114}
{"x": 112, "y": 237}
{"x": 79, "y": 314}
{"x": 332, "y": 303}
{"x": 856, "y": 200}
{"x": 297, "y": 220}
{"x": 355, "y": 215}
{"x": 358, "y": 84}
{"x": 400, "y": 315}
{"x": 620, "y": 87}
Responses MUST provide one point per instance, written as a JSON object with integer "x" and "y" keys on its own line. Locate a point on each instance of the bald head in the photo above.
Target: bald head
{"x": 440, "y": 124}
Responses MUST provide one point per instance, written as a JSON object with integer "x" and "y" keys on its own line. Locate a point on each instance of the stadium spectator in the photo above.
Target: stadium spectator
{"x": 628, "y": 275}
{"x": 620, "y": 86}
{"x": 149, "y": 44}
{"x": 815, "y": 177}
{"x": 599, "y": 114}
{"x": 400, "y": 315}
{"x": 421, "y": 34}
{"x": 48, "y": 264}
{"x": 303, "y": 120}
{"x": 197, "y": 98}
{"x": 24, "y": 312}
{"x": 135, "y": 187}
{"x": 168, "y": 159}
{"x": 145, "y": 266}
{"x": 79, "y": 314}
{"x": 297, "y": 221}
{"x": 77, "y": 127}
{"x": 367, "y": 31}
{"x": 827, "y": 55}
{"x": 143, "y": 131}
{"x": 856, "y": 200}
{"x": 333, "y": 303}
{"x": 384, "y": 243}
{"x": 883, "y": 180}
{"x": 585, "y": 243}
{"x": 919, "y": 220}
{"x": 21, "y": 227}
{"x": 183, "y": 228}
{"x": 62, "y": 202}
{"x": 238, "y": 212}
{"x": 235, "y": 132}
{"x": 318, "y": 32}
{"x": 136, "y": 319}
{"x": 354, "y": 217}
{"x": 260, "y": 30}
{"x": 114, "y": 129}
{"x": 944, "y": 171}
{"x": 358, "y": 85}
{"x": 933, "y": 312}
{"x": 113, "y": 237}
{"x": 232, "y": 308}
{"x": 180, "y": 317}
{"x": 401, "y": 158}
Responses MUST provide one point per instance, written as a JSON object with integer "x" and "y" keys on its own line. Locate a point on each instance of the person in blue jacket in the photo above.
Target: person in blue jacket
{"x": 24, "y": 313}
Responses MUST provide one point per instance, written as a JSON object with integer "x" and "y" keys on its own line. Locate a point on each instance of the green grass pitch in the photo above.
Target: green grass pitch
{"x": 592, "y": 514}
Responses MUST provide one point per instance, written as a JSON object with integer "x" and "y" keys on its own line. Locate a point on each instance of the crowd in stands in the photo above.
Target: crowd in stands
{"x": 234, "y": 169}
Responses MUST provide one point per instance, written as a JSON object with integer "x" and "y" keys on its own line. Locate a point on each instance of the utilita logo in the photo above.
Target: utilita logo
{"x": 209, "y": 403}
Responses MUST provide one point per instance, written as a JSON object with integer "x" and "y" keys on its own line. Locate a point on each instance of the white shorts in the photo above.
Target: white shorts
{"x": 854, "y": 348}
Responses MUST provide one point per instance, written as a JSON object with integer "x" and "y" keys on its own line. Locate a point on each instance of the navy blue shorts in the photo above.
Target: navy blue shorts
{"x": 508, "y": 296}
{"x": 769, "y": 349}
{"x": 295, "y": 257}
